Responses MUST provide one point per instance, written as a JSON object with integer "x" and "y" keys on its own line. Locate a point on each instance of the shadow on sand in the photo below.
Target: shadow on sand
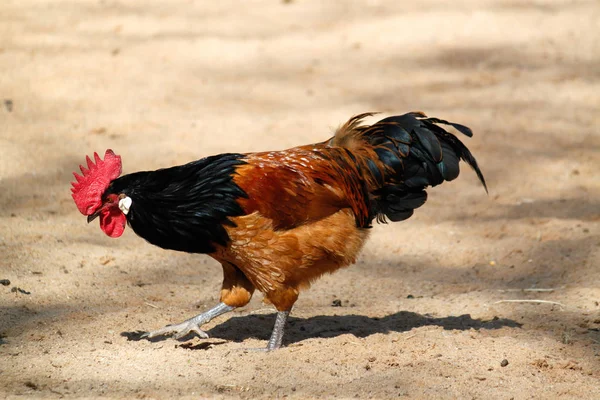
{"x": 238, "y": 329}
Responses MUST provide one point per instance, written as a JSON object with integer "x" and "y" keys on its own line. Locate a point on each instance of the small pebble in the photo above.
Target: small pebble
{"x": 4, "y": 282}
{"x": 504, "y": 363}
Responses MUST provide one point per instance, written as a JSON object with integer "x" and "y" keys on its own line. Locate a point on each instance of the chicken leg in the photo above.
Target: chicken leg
{"x": 193, "y": 324}
{"x": 278, "y": 330}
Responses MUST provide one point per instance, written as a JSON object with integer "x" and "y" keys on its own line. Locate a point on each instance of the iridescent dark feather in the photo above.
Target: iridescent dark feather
{"x": 185, "y": 207}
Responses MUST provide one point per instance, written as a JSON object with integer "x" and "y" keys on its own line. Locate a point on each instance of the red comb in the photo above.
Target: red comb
{"x": 88, "y": 189}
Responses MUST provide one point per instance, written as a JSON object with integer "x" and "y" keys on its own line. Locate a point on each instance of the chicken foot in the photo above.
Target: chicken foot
{"x": 193, "y": 324}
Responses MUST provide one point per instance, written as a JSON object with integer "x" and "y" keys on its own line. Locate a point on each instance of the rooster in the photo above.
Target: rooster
{"x": 277, "y": 220}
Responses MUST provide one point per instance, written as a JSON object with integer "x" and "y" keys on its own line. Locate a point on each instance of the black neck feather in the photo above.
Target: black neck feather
{"x": 186, "y": 207}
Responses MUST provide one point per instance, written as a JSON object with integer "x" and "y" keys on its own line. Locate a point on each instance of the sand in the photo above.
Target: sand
{"x": 422, "y": 314}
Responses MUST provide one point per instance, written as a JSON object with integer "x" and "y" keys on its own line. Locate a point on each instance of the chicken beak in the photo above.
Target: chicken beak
{"x": 92, "y": 217}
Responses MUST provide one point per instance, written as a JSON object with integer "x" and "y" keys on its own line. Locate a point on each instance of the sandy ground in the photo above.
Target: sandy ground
{"x": 165, "y": 82}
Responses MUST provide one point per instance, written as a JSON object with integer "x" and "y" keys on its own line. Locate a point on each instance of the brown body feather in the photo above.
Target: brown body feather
{"x": 304, "y": 217}
{"x": 281, "y": 262}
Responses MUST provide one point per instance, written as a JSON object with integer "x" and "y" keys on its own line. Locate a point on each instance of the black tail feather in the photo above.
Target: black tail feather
{"x": 465, "y": 130}
{"x": 419, "y": 153}
{"x": 467, "y": 157}
{"x": 398, "y": 204}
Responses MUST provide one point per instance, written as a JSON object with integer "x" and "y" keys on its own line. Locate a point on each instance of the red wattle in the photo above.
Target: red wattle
{"x": 112, "y": 221}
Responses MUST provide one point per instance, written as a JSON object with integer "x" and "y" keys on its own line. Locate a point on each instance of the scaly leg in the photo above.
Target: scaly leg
{"x": 283, "y": 300}
{"x": 278, "y": 329}
{"x": 192, "y": 325}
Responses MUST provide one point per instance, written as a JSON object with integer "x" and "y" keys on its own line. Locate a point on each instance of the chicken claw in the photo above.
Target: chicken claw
{"x": 179, "y": 331}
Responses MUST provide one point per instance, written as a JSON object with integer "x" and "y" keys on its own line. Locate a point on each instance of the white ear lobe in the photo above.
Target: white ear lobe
{"x": 125, "y": 204}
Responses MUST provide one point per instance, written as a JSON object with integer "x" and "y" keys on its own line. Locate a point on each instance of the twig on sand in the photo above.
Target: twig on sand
{"x": 530, "y": 290}
{"x": 353, "y": 342}
{"x": 151, "y": 305}
{"x": 531, "y": 301}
